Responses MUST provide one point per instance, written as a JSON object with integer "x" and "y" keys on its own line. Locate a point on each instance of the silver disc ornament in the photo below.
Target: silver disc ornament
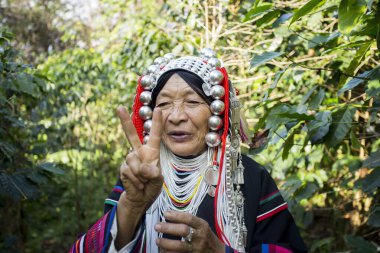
{"x": 212, "y": 175}
{"x": 147, "y": 125}
{"x": 215, "y": 122}
{"x": 153, "y": 69}
{"x": 145, "y": 97}
{"x": 217, "y": 92}
{"x": 211, "y": 191}
{"x": 208, "y": 53}
{"x": 145, "y": 139}
{"x": 147, "y": 82}
{"x": 216, "y": 77}
{"x": 214, "y": 62}
{"x": 212, "y": 139}
{"x": 145, "y": 112}
{"x": 217, "y": 107}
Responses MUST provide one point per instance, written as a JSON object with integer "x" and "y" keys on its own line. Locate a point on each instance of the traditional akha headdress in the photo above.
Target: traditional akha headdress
{"x": 225, "y": 175}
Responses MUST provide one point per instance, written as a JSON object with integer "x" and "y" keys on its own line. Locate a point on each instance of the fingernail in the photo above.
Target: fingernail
{"x": 157, "y": 227}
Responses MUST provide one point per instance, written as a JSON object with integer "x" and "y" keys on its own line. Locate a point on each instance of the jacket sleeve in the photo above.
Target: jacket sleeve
{"x": 271, "y": 227}
{"x": 99, "y": 238}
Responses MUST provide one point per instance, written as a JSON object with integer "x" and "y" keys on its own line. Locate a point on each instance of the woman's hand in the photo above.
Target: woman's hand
{"x": 181, "y": 223}
{"x": 140, "y": 173}
{"x": 141, "y": 177}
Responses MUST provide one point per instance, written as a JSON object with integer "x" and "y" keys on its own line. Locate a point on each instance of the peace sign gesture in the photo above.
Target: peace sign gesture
{"x": 140, "y": 173}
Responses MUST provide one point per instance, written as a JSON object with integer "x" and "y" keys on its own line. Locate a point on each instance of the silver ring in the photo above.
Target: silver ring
{"x": 189, "y": 237}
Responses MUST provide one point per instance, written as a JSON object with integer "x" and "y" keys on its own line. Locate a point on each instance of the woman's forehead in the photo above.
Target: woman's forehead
{"x": 176, "y": 86}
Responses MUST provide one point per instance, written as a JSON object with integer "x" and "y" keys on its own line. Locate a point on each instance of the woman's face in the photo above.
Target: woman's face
{"x": 185, "y": 115}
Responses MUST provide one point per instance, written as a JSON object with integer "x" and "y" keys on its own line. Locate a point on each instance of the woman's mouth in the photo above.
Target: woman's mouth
{"x": 179, "y": 136}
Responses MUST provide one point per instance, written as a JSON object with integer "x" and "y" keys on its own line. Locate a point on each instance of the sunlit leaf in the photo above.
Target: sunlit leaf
{"x": 365, "y": 76}
{"x": 257, "y": 10}
{"x": 306, "y": 9}
{"x": 258, "y": 60}
{"x": 267, "y": 18}
{"x": 341, "y": 125}
{"x": 349, "y": 14}
{"x": 373, "y": 160}
{"x": 51, "y": 167}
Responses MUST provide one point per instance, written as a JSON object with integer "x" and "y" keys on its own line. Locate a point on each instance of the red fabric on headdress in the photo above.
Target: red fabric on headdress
{"x": 136, "y": 120}
{"x": 226, "y": 101}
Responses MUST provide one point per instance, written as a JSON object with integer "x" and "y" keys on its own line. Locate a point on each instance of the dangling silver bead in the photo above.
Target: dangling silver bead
{"x": 217, "y": 91}
{"x": 169, "y": 56}
{"x": 147, "y": 125}
{"x": 147, "y": 82}
{"x": 214, "y": 62}
{"x": 215, "y": 123}
{"x": 153, "y": 69}
{"x": 145, "y": 139}
{"x": 145, "y": 97}
{"x": 216, "y": 77}
{"x": 145, "y": 112}
{"x": 208, "y": 53}
{"x": 212, "y": 139}
{"x": 217, "y": 107}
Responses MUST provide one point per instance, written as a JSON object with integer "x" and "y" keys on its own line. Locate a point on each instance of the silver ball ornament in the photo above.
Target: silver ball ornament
{"x": 145, "y": 139}
{"x": 217, "y": 107}
{"x": 212, "y": 139}
{"x": 214, "y": 62}
{"x": 217, "y": 92}
{"x": 145, "y": 97}
{"x": 215, "y": 122}
{"x": 147, "y": 125}
{"x": 147, "y": 82}
{"x": 169, "y": 56}
{"x": 208, "y": 53}
{"x": 161, "y": 61}
{"x": 145, "y": 112}
{"x": 216, "y": 77}
{"x": 153, "y": 69}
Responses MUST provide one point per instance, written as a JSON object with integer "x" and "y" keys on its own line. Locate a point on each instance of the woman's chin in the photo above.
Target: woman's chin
{"x": 185, "y": 149}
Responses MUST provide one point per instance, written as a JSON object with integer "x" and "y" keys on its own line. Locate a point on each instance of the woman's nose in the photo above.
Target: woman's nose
{"x": 177, "y": 114}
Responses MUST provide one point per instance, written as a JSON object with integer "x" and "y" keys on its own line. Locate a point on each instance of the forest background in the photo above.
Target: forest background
{"x": 308, "y": 78}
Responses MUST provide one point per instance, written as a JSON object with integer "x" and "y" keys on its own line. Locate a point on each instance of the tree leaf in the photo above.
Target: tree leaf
{"x": 258, "y": 60}
{"x": 365, "y": 76}
{"x": 306, "y": 192}
{"x": 51, "y": 167}
{"x": 267, "y": 18}
{"x": 374, "y": 218}
{"x": 359, "y": 244}
{"x": 370, "y": 182}
{"x": 317, "y": 100}
{"x": 318, "y": 128}
{"x": 354, "y": 140}
{"x": 306, "y": 9}
{"x": 288, "y": 145}
{"x": 373, "y": 160}
{"x": 283, "y": 18}
{"x": 349, "y": 14}
{"x": 341, "y": 125}
{"x": 257, "y": 10}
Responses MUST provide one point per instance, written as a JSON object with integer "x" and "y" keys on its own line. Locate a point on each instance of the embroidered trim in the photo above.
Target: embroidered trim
{"x": 118, "y": 189}
{"x": 271, "y": 212}
{"x": 271, "y": 248}
{"x": 269, "y": 197}
{"x": 110, "y": 202}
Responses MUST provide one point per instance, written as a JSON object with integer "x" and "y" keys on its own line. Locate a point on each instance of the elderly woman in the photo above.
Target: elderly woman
{"x": 184, "y": 186}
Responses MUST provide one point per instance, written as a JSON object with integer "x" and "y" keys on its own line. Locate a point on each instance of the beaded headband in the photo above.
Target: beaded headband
{"x": 208, "y": 68}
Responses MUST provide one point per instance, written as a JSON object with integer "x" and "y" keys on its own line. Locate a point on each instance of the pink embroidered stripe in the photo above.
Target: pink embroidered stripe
{"x": 271, "y": 212}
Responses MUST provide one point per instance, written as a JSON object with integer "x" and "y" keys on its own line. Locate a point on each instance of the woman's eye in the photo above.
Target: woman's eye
{"x": 163, "y": 104}
{"x": 193, "y": 102}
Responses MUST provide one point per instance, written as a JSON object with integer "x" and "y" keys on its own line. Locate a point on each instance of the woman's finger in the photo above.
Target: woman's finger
{"x": 134, "y": 163}
{"x": 154, "y": 141}
{"x": 186, "y": 218}
{"x": 126, "y": 173}
{"x": 128, "y": 128}
{"x": 169, "y": 245}
{"x": 176, "y": 229}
